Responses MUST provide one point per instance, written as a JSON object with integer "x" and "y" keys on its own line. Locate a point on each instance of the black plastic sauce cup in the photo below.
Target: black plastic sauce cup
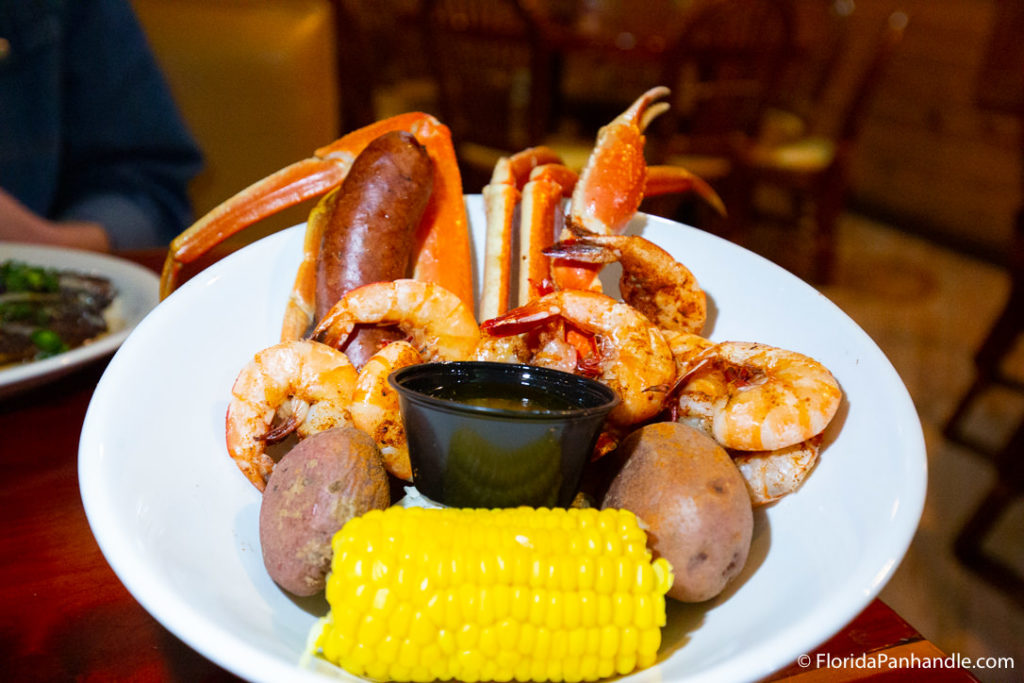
{"x": 492, "y": 435}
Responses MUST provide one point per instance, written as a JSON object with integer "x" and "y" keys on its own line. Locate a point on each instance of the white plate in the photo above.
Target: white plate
{"x": 178, "y": 522}
{"x": 137, "y": 294}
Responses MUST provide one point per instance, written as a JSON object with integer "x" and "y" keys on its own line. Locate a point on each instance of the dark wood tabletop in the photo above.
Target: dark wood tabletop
{"x": 64, "y": 615}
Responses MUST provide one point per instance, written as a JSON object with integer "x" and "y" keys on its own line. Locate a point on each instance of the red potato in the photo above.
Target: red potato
{"x": 693, "y": 501}
{"x": 324, "y": 481}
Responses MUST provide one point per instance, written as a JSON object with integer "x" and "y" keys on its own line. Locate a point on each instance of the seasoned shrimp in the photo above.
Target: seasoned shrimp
{"x": 755, "y": 397}
{"x": 770, "y": 475}
{"x": 631, "y": 356}
{"x": 374, "y": 405}
{"x": 510, "y": 349}
{"x": 652, "y": 281}
{"x": 685, "y": 347}
{"x": 311, "y": 379}
{"x": 438, "y": 323}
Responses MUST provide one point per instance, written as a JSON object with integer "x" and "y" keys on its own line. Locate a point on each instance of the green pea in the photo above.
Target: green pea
{"x": 48, "y": 342}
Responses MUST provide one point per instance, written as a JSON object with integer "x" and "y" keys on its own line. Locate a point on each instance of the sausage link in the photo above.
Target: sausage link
{"x": 370, "y": 233}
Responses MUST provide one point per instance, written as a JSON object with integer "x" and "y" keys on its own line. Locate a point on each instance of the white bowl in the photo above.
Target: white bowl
{"x": 178, "y": 522}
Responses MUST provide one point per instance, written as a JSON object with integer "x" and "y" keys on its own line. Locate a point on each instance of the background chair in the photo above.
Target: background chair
{"x": 990, "y": 363}
{"x": 812, "y": 170}
{"x": 822, "y": 40}
{"x": 724, "y": 70}
{"x": 493, "y": 73}
{"x": 257, "y": 83}
{"x": 1000, "y": 89}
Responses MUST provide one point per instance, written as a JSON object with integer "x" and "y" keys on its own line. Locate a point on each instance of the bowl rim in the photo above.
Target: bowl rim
{"x": 507, "y": 370}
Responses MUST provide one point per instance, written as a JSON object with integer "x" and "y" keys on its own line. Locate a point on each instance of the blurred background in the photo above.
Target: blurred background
{"x": 872, "y": 147}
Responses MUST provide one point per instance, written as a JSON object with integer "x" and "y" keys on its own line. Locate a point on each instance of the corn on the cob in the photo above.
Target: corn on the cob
{"x": 493, "y": 595}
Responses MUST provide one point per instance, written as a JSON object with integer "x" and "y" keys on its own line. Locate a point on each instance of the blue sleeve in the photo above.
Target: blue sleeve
{"x": 127, "y": 155}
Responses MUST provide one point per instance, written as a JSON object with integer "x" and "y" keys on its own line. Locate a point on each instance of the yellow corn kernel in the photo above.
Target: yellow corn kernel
{"x": 372, "y": 629}
{"x": 539, "y": 607}
{"x": 571, "y": 610}
{"x": 571, "y": 671}
{"x": 521, "y": 599}
{"x": 542, "y": 643}
{"x": 644, "y": 614}
{"x": 488, "y": 644}
{"x": 501, "y": 601}
{"x": 588, "y": 668}
{"x": 446, "y": 641}
{"x": 650, "y": 641}
{"x": 625, "y": 663}
{"x": 507, "y": 632}
{"x": 422, "y": 630}
{"x": 588, "y": 607}
{"x": 577, "y": 642}
{"x": 604, "y": 582}
{"x": 499, "y": 595}
{"x": 556, "y": 610}
{"x": 485, "y": 606}
{"x": 623, "y": 610}
{"x": 630, "y": 639}
{"x": 387, "y": 650}
{"x": 467, "y": 637}
{"x": 527, "y": 638}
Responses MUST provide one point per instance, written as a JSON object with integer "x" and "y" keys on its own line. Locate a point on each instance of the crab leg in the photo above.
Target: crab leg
{"x": 301, "y": 307}
{"x": 604, "y": 197}
{"x": 517, "y": 168}
{"x": 501, "y": 199}
{"x": 443, "y": 253}
{"x": 666, "y": 179}
{"x": 539, "y": 225}
{"x": 295, "y": 183}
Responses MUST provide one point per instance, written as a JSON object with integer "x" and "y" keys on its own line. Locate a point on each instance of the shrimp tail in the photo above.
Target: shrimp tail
{"x": 580, "y": 250}
{"x": 519, "y": 320}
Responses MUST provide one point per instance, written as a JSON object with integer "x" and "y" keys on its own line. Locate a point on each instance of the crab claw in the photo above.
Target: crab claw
{"x": 613, "y": 181}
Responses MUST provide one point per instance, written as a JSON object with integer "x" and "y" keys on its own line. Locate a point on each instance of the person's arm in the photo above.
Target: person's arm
{"x": 19, "y": 224}
{"x": 128, "y": 155}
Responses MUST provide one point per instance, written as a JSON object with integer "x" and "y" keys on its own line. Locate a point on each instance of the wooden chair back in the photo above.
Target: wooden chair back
{"x": 822, "y": 41}
{"x": 864, "y": 89}
{"x": 725, "y": 69}
{"x": 492, "y": 69}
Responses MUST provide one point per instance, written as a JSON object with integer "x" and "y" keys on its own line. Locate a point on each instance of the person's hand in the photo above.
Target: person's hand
{"x": 20, "y": 224}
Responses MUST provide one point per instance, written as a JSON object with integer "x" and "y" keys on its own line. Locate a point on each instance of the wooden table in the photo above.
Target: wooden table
{"x": 64, "y": 615}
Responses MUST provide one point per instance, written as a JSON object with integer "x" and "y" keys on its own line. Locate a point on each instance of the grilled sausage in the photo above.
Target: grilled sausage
{"x": 370, "y": 235}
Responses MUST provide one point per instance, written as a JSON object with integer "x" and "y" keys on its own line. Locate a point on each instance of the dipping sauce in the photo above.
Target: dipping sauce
{"x": 526, "y": 398}
{"x": 493, "y": 435}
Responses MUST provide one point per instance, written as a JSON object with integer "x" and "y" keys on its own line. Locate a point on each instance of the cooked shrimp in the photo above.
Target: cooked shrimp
{"x": 770, "y": 475}
{"x": 631, "y": 356}
{"x": 756, "y": 397}
{"x": 685, "y": 347}
{"x": 310, "y": 379}
{"x": 652, "y": 281}
{"x": 510, "y": 349}
{"x": 374, "y": 405}
{"x": 438, "y": 323}
{"x": 545, "y": 346}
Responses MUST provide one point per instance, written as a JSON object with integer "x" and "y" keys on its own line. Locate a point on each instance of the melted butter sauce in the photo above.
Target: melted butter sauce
{"x": 501, "y": 396}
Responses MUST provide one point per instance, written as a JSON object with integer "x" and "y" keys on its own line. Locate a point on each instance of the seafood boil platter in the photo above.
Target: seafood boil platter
{"x": 177, "y": 490}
